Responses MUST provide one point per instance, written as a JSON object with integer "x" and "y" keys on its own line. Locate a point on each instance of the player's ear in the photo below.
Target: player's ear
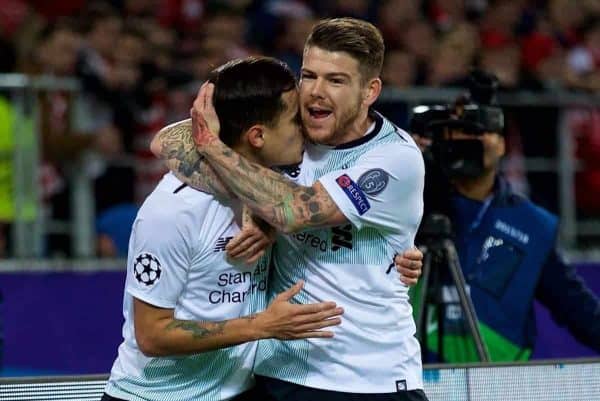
{"x": 255, "y": 136}
{"x": 371, "y": 91}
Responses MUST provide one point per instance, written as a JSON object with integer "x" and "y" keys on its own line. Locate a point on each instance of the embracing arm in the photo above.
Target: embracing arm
{"x": 159, "y": 333}
{"x": 174, "y": 144}
{"x": 283, "y": 204}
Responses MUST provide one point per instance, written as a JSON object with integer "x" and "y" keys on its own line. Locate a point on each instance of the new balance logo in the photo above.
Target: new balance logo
{"x": 341, "y": 237}
{"x": 221, "y": 244}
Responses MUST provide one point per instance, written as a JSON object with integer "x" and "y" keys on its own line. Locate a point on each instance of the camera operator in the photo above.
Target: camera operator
{"x": 506, "y": 244}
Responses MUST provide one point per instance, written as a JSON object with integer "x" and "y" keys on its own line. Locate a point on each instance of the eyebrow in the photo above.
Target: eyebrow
{"x": 330, "y": 74}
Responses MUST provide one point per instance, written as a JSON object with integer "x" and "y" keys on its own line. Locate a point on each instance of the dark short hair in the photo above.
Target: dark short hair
{"x": 248, "y": 92}
{"x": 360, "y": 39}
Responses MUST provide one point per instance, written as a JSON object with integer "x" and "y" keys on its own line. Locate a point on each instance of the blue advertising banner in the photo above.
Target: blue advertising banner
{"x": 61, "y": 322}
{"x": 69, "y": 322}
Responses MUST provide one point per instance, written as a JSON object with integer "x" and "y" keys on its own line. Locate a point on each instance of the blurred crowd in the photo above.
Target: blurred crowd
{"x": 139, "y": 62}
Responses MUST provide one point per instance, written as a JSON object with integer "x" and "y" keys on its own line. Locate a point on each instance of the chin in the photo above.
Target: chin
{"x": 295, "y": 160}
{"x": 290, "y": 160}
{"x": 319, "y": 135}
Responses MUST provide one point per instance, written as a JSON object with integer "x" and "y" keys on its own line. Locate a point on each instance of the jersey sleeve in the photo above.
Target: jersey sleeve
{"x": 384, "y": 189}
{"x": 159, "y": 257}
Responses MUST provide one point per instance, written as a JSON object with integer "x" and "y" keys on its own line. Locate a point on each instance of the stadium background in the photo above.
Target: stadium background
{"x": 85, "y": 84}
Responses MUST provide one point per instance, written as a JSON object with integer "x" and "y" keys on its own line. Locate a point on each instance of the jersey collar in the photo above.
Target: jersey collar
{"x": 375, "y": 116}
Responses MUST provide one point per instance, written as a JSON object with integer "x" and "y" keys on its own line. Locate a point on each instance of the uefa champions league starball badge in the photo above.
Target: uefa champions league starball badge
{"x": 147, "y": 269}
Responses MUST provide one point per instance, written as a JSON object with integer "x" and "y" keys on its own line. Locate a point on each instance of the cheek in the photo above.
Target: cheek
{"x": 494, "y": 149}
{"x": 491, "y": 153}
{"x": 341, "y": 98}
{"x": 294, "y": 139}
{"x": 303, "y": 92}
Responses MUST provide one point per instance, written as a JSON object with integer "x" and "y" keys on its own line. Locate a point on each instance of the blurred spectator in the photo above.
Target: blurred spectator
{"x": 138, "y": 60}
{"x": 552, "y": 72}
{"x": 399, "y": 69}
{"x": 585, "y": 126}
{"x": 351, "y": 8}
{"x": 399, "y": 72}
{"x": 565, "y": 17}
{"x": 12, "y": 15}
{"x": 289, "y": 45}
{"x": 504, "y": 62}
{"x": 538, "y": 45}
{"x": 212, "y": 51}
{"x": 95, "y": 67}
{"x": 393, "y": 16}
{"x": 454, "y": 56}
{"x": 148, "y": 121}
{"x": 229, "y": 27}
{"x": 53, "y": 10}
{"x": 584, "y": 60}
{"x": 499, "y": 23}
{"x": 56, "y": 54}
{"x": 113, "y": 227}
{"x": 419, "y": 39}
{"x": 446, "y": 14}
{"x": 112, "y": 92}
{"x": 183, "y": 15}
{"x": 141, "y": 8}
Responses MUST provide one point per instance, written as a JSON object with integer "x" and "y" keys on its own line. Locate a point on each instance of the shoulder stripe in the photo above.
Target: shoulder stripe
{"x": 179, "y": 188}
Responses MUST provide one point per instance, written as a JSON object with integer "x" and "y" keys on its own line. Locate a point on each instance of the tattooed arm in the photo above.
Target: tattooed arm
{"x": 174, "y": 144}
{"x": 281, "y": 203}
{"x": 284, "y": 205}
{"x": 158, "y": 333}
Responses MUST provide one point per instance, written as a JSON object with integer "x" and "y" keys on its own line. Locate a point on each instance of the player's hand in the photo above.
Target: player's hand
{"x": 252, "y": 240}
{"x": 205, "y": 122}
{"x": 409, "y": 265}
{"x": 287, "y": 321}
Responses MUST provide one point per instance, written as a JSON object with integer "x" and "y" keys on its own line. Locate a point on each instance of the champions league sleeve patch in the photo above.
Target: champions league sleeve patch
{"x": 147, "y": 269}
{"x": 353, "y": 191}
{"x": 373, "y": 181}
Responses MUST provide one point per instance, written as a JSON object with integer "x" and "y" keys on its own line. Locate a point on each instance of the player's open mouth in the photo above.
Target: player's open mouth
{"x": 318, "y": 113}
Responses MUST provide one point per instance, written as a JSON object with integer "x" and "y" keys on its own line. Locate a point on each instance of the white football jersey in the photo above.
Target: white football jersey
{"x": 377, "y": 182}
{"x": 177, "y": 260}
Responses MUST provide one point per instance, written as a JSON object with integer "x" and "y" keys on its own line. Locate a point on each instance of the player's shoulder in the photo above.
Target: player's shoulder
{"x": 392, "y": 135}
{"x": 396, "y": 148}
{"x": 171, "y": 199}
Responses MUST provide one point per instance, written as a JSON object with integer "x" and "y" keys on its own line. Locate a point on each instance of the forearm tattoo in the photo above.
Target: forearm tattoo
{"x": 249, "y": 317}
{"x": 178, "y": 150}
{"x": 282, "y": 203}
{"x": 198, "y": 330}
